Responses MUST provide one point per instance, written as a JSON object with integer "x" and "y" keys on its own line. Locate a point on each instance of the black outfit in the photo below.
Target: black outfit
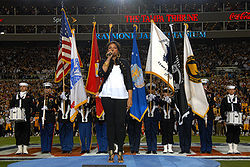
{"x": 233, "y": 131}
{"x": 134, "y": 133}
{"x": 115, "y": 109}
{"x": 167, "y": 121}
{"x": 50, "y": 112}
{"x": 185, "y": 132}
{"x": 151, "y": 120}
{"x": 65, "y": 125}
{"x": 22, "y": 128}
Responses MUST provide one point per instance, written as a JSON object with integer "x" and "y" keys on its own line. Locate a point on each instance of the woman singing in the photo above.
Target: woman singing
{"x": 116, "y": 96}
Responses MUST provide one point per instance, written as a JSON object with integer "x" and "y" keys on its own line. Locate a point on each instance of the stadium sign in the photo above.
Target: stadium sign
{"x": 144, "y": 35}
{"x": 162, "y": 18}
{"x": 240, "y": 16}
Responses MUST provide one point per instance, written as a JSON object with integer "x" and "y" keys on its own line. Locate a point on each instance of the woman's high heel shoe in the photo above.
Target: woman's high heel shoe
{"x": 120, "y": 157}
{"x": 111, "y": 156}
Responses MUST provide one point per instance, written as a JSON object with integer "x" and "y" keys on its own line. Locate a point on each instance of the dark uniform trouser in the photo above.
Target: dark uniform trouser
{"x": 185, "y": 134}
{"x": 233, "y": 134}
{"x": 134, "y": 134}
{"x": 66, "y": 136}
{"x": 205, "y": 134}
{"x": 22, "y": 133}
{"x": 101, "y": 135}
{"x": 115, "y": 110}
{"x": 151, "y": 128}
{"x": 167, "y": 128}
{"x": 46, "y": 136}
{"x": 85, "y": 132}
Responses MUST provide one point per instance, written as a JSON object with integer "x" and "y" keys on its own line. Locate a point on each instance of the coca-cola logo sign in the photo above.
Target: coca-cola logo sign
{"x": 240, "y": 16}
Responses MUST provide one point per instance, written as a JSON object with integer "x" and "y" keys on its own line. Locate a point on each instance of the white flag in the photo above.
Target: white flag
{"x": 196, "y": 97}
{"x": 78, "y": 95}
{"x": 157, "y": 55}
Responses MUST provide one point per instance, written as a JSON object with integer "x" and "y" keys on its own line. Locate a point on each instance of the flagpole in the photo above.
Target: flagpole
{"x": 150, "y": 89}
{"x": 168, "y": 93}
{"x": 63, "y": 90}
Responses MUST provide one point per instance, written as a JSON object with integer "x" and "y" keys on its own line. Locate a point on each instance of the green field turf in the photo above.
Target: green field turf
{"x": 5, "y": 141}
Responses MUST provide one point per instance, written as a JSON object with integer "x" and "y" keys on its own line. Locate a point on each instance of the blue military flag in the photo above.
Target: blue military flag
{"x": 139, "y": 107}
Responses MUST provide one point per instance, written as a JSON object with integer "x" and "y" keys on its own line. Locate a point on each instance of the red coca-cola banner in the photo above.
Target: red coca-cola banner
{"x": 240, "y": 16}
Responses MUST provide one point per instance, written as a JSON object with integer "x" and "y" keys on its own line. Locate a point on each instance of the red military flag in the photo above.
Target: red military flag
{"x": 94, "y": 81}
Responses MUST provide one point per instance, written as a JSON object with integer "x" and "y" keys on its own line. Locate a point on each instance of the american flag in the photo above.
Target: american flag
{"x": 64, "y": 50}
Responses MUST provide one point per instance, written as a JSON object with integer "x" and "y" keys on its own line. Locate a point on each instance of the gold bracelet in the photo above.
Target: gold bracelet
{"x": 106, "y": 64}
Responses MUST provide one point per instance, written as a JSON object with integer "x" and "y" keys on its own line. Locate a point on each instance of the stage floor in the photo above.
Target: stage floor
{"x": 129, "y": 161}
{"x": 219, "y": 152}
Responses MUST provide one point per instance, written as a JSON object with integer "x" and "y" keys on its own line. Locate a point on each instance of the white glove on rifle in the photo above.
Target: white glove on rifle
{"x": 45, "y": 108}
{"x": 63, "y": 96}
{"x": 167, "y": 99}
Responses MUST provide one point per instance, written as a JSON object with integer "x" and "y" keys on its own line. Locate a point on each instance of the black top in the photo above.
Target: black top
{"x": 125, "y": 69}
{"x": 211, "y": 102}
{"x": 52, "y": 107}
{"x": 227, "y": 107}
{"x": 28, "y": 103}
{"x": 171, "y": 106}
{"x": 64, "y": 118}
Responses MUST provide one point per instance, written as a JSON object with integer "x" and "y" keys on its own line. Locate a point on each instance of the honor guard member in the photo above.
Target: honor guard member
{"x": 205, "y": 125}
{"x": 85, "y": 120}
{"x": 231, "y": 108}
{"x": 167, "y": 121}
{"x": 65, "y": 125}
{"x": 47, "y": 107}
{"x": 101, "y": 134}
{"x": 26, "y": 102}
{"x": 134, "y": 133}
{"x": 151, "y": 119}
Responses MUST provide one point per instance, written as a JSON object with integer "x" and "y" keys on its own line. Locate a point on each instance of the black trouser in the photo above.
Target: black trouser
{"x": 185, "y": 134}
{"x": 22, "y": 133}
{"x": 233, "y": 134}
{"x": 167, "y": 128}
{"x": 115, "y": 112}
{"x": 1, "y": 131}
{"x": 134, "y": 134}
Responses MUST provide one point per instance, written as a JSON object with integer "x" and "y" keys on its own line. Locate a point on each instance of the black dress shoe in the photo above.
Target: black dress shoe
{"x": 203, "y": 152}
{"x": 209, "y": 152}
{"x": 182, "y": 152}
{"x": 154, "y": 152}
{"x": 84, "y": 151}
{"x": 188, "y": 152}
{"x": 87, "y": 151}
{"x": 45, "y": 152}
{"x": 99, "y": 152}
{"x": 132, "y": 152}
{"x": 64, "y": 152}
{"x": 148, "y": 152}
{"x": 105, "y": 152}
{"x": 137, "y": 152}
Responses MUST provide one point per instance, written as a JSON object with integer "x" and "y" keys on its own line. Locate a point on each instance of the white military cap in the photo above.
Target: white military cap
{"x": 23, "y": 84}
{"x": 204, "y": 81}
{"x": 230, "y": 87}
{"x": 47, "y": 84}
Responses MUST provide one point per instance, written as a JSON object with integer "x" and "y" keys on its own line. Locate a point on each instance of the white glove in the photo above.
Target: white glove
{"x": 45, "y": 108}
{"x": 167, "y": 99}
{"x": 63, "y": 96}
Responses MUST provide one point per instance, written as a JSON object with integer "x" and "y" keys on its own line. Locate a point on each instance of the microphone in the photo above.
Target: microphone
{"x": 109, "y": 54}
